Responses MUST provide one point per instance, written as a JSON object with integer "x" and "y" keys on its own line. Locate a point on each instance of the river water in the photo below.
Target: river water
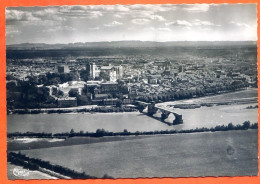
{"x": 201, "y": 117}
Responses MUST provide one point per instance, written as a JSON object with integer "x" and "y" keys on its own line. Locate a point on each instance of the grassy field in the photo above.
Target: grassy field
{"x": 230, "y": 153}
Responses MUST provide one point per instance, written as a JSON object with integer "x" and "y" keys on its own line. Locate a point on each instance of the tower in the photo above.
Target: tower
{"x": 91, "y": 70}
{"x": 119, "y": 72}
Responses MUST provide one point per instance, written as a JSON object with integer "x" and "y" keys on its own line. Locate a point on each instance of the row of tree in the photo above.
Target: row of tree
{"x": 185, "y": 94}
{"x": 101, "y": 132}
{"x": 102, "y": 109}
{"x": 35, "y": 164}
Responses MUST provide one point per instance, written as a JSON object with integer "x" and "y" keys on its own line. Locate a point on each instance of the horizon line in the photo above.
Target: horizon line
{"x": 134, "y": 41}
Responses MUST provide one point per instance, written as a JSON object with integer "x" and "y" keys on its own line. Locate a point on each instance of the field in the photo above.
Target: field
{"x": 229, "y": 153}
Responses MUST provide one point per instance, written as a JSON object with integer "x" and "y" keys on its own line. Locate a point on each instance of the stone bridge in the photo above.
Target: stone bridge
{"x": 152, "y": 109}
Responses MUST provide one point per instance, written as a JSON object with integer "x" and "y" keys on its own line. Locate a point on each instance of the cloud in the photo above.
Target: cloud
{"x": 239, "y": 24}
{"x": 117, "y": 15}
{"x": 94, "y": 14}
{"x": 102, "y": 8}
{"x": 140, "y": 21}
{"x": 108, "y": 8}
{"x": 152, "y": 8}
{"x": 85, "y": 14}
{"x": 89, "y": 12}
{"x": 58, "y": 28}
{"x": 194, "y": 23}
{"x": 164, "y": 29}
{"x": 121, "y": 8}
{"x": 47, "y": 11}
{"x": 198, "y": 22}
{"x": 143, "y": 11}
{"x": 11, "y": 30}
{"x": 178, "y": 23}
{"x": 113, "y": 24}
{"x": 48, "y": 17}
{"x": 147, "y": 15}
{"x": 94, "y": 28}
{"x": 197, "y": 8}
{"x": 187, "y": 28}
{"x": 135, "y": 21}
{"x": 17, "y": 15}
{"x": 157, "y": 17}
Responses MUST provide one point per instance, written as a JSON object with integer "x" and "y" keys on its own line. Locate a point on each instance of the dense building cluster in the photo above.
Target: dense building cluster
{"x": 117, "y": 80}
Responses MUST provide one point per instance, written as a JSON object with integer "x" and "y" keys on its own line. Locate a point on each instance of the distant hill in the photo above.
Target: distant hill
{"x": 116, "y": 44}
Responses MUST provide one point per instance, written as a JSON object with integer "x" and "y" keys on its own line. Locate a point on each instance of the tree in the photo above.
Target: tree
{"x": 123, "y": 89}
{"x": 72, "y": 131}
{"x": 141, "y": 107}
{"x": 246, "y": 125}
{"x": 82, "y": 100}
{"x": 73, "y": 93}
{"x": 100, "y": 132}
{"x": 119, "y": 103}
{"x": 60, "y": 94}
{"x": 81, "y": 132}
{"x": 230, "y": 126}
{"x": 84, "y": 75}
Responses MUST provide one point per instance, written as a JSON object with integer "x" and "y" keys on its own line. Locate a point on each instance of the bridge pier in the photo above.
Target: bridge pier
{"x": 164, "y": 115}
{"x": 178, "y": 119}
{"x": 151, "y": 109}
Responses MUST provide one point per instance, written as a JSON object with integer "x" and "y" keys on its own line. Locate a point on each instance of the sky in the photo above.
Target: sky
{"x": 165, "y": 22}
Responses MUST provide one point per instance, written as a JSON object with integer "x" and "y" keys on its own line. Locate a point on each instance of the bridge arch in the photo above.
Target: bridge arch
{"x": 152, "y": 109}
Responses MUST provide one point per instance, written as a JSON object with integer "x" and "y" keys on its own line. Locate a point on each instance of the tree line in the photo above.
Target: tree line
{"x": 101, "y": 132}
{"x": 102, "y": 109}
{"x": 36, "y": 163}
{"x": 185, "y": 94}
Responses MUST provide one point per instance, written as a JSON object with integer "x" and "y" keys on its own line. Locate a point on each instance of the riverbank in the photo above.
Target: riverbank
{"x": 12, "y": 145}
{"x": 80, "y": 109}
{"x": 35, "y": 164}
{"x": 249, "y": 95}
{"x": 132, "y": 108}
{"x": 225, "y": 153}
{"x": 210, "y": 104}
{"x": 66, "y": 139}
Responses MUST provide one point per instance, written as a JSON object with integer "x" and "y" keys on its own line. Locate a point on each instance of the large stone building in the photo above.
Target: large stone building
{"x": 92, "y": 70}
{"x": 109, "y": 71}
{"x": 109, "y": 87}
{"x": 102, "y": 88}
{"x": 113, "y": 73}
{"x": 63, "y": 69}
{"x": 67, "y": 102}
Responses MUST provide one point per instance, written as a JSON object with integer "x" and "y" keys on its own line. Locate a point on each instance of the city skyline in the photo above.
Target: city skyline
{"x": 159, "y": 23}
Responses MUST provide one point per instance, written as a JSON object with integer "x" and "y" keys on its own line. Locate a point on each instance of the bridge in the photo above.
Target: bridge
{"x": 152, "y": 109}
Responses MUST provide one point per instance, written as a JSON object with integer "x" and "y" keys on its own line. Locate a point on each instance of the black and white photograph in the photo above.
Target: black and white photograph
{"x": 131, "y": 91}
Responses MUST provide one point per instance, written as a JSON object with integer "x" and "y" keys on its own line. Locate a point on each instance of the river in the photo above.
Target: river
{"x": 236, "y": 113}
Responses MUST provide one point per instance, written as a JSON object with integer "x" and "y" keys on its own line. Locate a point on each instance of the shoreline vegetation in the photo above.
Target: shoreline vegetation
{"x": 99, "y": 109}
{"x": 194, "y": 106}
{"x": 15, "y": 157}
{"x": 252, "y": 107}
{"x": 101, "y": 132}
